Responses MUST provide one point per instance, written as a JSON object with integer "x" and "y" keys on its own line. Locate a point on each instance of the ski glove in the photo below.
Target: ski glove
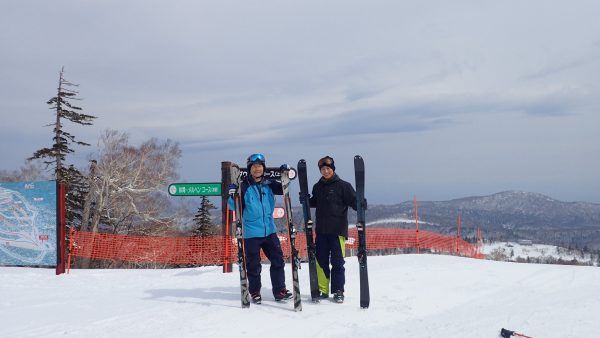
{"x": 232, "y": 188}
{"x": 303, "y": 197}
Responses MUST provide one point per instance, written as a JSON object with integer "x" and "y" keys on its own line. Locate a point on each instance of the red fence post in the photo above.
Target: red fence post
{"x": 417, "y": 224}
{"x": 60, "y": 228}
{"x": 458, "y": 233}
{"x": 70, "y": 249}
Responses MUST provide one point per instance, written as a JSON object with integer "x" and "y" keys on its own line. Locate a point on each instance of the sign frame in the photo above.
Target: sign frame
{"x": 195, "y": 189}
{"x": 271, "y": 172}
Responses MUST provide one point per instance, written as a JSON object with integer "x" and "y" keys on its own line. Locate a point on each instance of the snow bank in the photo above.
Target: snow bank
{"x": 411, "y": 296}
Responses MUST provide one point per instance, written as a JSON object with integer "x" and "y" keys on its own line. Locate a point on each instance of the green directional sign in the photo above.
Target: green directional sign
{"x": 195, "y": 189}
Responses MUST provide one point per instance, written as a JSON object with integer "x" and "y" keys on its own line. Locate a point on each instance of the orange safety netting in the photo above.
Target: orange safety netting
{"x": 215, "y": 250}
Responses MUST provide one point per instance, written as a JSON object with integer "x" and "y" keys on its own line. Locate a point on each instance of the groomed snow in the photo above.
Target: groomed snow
{"x": 411, "y": 296}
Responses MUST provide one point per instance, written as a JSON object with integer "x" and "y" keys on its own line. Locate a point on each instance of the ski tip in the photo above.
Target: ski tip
{"x": 356, "y": 157}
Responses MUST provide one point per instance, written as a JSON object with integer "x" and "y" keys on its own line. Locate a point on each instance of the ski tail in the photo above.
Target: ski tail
{"x": 308, "y": 230}
{"x": 285, "y": 183}
{"x": 359, "y": 173}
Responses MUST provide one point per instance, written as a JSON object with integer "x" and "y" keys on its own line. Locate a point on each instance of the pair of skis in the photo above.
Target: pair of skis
{"x": 287, "y": 203}
{"x": 308, "y": 230}
{"x": 239, "y": 234}
{"x": 359, "y": 173}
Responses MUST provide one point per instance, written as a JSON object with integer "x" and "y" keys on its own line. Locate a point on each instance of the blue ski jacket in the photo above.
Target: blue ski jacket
{"x": 258, "y": 203}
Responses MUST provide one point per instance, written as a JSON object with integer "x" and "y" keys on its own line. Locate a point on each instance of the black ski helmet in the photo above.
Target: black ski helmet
{"x": 256, "y": 158}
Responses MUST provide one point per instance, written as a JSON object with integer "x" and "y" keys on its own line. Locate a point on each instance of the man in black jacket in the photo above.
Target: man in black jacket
{"x": 331, "y": 196}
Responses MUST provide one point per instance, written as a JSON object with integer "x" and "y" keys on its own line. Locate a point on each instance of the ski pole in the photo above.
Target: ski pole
{"x": 508, "y": 333}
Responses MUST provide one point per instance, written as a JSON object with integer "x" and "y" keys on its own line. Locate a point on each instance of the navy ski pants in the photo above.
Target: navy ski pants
{"x": 271, "y": 246}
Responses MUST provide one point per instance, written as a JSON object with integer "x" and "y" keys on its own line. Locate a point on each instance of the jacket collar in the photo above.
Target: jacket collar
{"x": 251, "y": 180}
{"x": 334, "y": 178}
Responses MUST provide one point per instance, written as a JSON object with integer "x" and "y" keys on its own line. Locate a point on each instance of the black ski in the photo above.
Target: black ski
{"x": 308, "y": 229}
{"x": 359, "y": 173}
{"x": 285, "y": 183}
{"x": 239, "y": 235}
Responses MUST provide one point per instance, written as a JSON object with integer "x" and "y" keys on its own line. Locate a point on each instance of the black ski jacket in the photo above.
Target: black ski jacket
{"x": 331, "y": 198}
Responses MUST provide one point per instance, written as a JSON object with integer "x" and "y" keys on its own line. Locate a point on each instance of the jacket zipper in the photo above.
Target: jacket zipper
{"x": 262, "y": 208}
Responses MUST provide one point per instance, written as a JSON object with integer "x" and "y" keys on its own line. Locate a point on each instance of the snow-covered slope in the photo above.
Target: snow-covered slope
{"x": 513, "y": 251}
{"x": 411, "y": 296}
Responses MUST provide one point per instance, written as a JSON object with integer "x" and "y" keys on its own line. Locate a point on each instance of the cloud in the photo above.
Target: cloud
{"x": 415, "y": 116}
{"x": 555, "y": 69}
{"x": 224, "y": 78}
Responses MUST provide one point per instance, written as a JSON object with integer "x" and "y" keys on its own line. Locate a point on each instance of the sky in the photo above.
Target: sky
{"x": 442, "y": 99}
{"x": 411, "y": 296}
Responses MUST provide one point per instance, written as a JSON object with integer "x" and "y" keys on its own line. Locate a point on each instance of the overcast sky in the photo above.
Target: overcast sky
{"x": 443, "y": 99}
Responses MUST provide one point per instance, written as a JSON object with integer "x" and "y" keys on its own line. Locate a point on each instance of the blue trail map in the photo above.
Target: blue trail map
{"x": 28, "y": 223}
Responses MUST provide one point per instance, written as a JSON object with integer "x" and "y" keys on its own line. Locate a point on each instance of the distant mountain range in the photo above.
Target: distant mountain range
{"x": 508, "y": 215}
{"x": 504, "y": 216}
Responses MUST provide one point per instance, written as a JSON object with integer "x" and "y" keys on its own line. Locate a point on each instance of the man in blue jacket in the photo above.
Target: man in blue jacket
{"x": 258, "y": 203}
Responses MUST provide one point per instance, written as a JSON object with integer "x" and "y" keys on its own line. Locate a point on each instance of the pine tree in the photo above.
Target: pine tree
{"x": 77, "y": 189}
{"x": 202, "y": 218}
{"x": 62, "y": 105}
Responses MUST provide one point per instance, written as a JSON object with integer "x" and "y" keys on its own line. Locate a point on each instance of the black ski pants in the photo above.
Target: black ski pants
{"x": 331, "y": 249}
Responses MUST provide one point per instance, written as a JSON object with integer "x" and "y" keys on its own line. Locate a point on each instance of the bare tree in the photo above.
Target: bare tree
{"x": 127, "y": 190}
{"x": 29, "y": 171}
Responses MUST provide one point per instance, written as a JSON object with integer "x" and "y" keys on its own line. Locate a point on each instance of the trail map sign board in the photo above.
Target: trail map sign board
{"x": 195, "y": 189}
{"x": 28, "y": 223}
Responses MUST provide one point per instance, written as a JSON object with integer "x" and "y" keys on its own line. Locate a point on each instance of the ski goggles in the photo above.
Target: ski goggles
{"x": 327, "y": 161}
{"x": 256, "y": 158}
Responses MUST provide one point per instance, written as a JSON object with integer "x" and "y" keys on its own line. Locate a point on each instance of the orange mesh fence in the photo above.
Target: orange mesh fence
{"x": 168, "y": 250}
{"x": 215, "y": 250}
